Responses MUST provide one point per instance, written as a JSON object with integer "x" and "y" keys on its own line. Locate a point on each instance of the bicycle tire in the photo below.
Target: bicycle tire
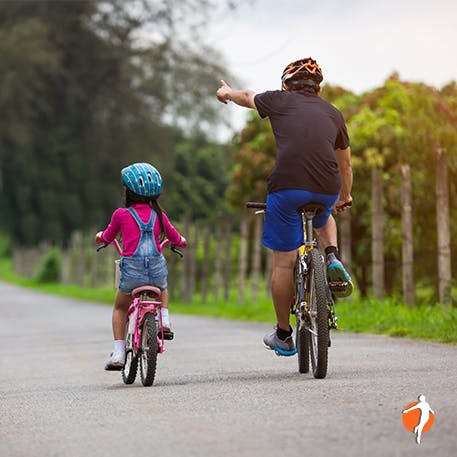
{"x": 302, "y": 343}
{"x": 319, "y": 340}
{"x": 148, "y": 350}
{"x": 131, "y": 359}
{"x": 301, "y": 334}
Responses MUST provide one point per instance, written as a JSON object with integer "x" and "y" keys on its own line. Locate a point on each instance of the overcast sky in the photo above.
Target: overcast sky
{"x": 357, "y": 43}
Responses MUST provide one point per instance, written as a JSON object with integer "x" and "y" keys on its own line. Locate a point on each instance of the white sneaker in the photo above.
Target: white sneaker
{"x": 116, "y": 361}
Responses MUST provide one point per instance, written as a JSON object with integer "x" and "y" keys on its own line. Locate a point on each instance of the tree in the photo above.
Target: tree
{"x": 85, "y": 89}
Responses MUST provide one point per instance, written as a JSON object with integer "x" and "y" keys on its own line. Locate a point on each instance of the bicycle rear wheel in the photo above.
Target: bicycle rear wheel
{"x": 302, "y": 343}
{"x": 131, "y": 358}
{"x": 319, "y": 335}
{"x": 149, "y": 349}
{"x": 302, "y": 334}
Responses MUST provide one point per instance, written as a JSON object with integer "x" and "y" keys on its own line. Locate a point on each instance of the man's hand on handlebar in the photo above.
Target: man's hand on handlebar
{"x": 342, "y": 205}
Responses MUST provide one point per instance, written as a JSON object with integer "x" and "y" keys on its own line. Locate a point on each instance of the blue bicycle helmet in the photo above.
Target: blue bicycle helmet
{"x": 142, "y": 179}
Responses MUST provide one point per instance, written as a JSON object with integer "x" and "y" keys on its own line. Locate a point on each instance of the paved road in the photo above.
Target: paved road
{"x": 218, "y": 392}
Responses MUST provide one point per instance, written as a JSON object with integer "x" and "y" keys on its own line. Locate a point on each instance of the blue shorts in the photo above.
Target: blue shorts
{"x": 283, "y": 227}
{"x": 136, "y": 272}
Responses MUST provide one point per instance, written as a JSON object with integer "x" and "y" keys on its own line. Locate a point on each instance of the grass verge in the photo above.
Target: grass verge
{"x": 387, "y": 317}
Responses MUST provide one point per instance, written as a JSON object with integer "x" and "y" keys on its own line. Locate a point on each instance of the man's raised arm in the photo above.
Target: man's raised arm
{"x": 241, "y": 97}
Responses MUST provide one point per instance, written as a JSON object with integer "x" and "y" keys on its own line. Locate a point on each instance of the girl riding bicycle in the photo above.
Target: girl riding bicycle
{"x": 142, "y": 224}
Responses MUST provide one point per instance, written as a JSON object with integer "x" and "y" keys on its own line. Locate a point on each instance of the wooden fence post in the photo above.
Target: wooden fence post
{"x": 268, "y": 268}
{"x": 256, "y": 257}
{"x": 409, "y": 295}
{"x": 218, "y": 260}
{"x": 184, "y": 277}
{"x": 193, "y": 236}
{"x": 205, "y": 262}
{"x": 345, "y": 239}
{"x": 227, "y": 269}
{"x": 243, "y": 259}
{"x": 443, "y": 227}
{"x": 377, "y": 240}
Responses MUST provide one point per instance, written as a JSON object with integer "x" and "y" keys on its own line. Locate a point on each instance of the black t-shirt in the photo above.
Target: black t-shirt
{"x": 307, "y": 131}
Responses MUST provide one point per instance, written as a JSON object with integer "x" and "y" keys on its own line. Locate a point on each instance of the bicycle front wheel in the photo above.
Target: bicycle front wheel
{"x": 318, "y": 312}
{"x": 149, "y": 349}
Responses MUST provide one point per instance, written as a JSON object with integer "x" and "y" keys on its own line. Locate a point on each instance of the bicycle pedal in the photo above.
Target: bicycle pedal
{"x": 338, "y": 284}
{"x": 167, "y": 335}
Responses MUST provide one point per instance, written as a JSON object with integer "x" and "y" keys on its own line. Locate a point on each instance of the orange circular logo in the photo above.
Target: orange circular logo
{"x": 412, "y": 418}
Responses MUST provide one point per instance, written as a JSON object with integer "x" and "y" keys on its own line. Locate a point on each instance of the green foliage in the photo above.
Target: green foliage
{"x": 391, "y": 317}
{"x": 198, "y": 181}
{"x": 397, "y": 123}
{"x": 254, "y": 154}
{"x": 83, "y": 92}
{"x": 388, "y": 317}
{"x": 5, "y": 245}
{"x": 49, "y": 268}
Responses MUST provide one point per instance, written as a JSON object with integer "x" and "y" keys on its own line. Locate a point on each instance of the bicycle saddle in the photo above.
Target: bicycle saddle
{"x": 152, "y": 291}
{"x": 311, "y": 207}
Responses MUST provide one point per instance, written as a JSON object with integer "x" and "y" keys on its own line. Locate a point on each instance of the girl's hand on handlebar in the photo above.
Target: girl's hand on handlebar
{"x": 183, "y": 242}
{"x": 99, "y": 238}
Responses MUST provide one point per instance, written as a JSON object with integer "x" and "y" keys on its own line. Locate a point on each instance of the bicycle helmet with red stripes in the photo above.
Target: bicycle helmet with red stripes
{"x": 142, "y": 179}
{"x": 302, "y": 72}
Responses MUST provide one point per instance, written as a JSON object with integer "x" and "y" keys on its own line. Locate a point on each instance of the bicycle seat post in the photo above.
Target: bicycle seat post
{"x": 307, "y": 219}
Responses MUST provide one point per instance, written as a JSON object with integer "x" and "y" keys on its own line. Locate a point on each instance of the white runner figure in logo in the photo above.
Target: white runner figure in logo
{"x": 425, "y": 411}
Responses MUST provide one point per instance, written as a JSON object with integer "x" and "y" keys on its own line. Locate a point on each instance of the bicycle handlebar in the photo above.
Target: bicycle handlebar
{"x": 344, "y": 205}
{"x": 256, "y": 205}
{"x": 164, "y": 243}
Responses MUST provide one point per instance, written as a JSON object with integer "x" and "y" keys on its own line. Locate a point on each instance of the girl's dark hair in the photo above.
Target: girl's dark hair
{"x": 132, "y": 198}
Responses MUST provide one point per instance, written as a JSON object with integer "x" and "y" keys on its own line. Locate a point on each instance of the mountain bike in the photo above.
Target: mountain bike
{"x": 313, "y": 304}
{"x": 144, "y": 332}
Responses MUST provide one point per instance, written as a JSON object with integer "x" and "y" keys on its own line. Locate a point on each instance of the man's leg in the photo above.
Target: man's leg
{"x": 282, "y": 288}
{"x": 327, "y": 234}
{"x": 282, "y": 285}
{"x": 339, "y": 279}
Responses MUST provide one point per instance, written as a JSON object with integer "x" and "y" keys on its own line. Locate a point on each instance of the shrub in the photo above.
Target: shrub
{"x": 49, "y": 267}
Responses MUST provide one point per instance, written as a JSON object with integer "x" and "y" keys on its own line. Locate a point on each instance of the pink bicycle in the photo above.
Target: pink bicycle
{"x": 144, "y": 332}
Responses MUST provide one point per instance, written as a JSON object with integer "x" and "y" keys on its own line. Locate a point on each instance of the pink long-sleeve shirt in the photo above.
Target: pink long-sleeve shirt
{"x": 122, "y": 221}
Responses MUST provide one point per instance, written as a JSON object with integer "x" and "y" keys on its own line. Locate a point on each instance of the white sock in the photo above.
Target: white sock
{"x": 119, "y": 346}
{"x": 164, "y": 312}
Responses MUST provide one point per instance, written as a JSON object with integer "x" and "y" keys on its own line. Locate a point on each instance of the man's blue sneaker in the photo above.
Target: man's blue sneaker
{"x": 281, "y": 347}
{"x": 339, "y": 280}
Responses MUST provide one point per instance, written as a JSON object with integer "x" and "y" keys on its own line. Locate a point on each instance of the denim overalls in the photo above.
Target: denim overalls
{"x": 146, "y": 265}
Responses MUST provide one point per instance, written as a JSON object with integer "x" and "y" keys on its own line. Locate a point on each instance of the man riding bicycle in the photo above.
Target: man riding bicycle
{"x": 313, "y": 164}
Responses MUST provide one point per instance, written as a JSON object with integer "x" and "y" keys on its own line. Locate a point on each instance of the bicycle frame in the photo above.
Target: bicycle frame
{"x": 143, "y": 304}
{"x": 312, "y": 305}
{"x": 309, "y": 244}
{"x": 302, "y": 303}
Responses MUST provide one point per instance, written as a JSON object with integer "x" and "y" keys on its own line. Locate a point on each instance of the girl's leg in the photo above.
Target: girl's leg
{"x": 164, "y": 298}
{"x": 121, "y": 306}
{"x": 164, "y": 311}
